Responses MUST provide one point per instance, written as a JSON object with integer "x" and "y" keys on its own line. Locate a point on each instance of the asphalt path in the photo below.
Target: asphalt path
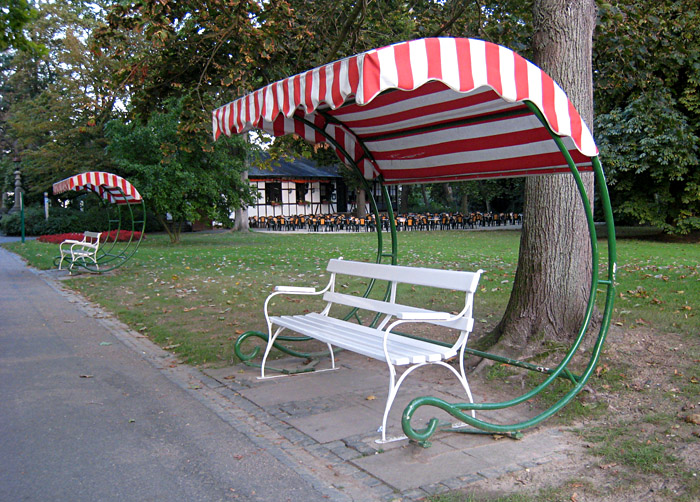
{"x": 85, "y": 417}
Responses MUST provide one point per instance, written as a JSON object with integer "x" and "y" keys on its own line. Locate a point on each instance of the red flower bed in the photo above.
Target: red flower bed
{"x": 123, "y": 236}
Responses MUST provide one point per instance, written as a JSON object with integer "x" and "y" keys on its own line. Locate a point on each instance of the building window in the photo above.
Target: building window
{"x": 301, "y": 189}
{"x": 326, "y": 190}
{"x": 273, "y": 193}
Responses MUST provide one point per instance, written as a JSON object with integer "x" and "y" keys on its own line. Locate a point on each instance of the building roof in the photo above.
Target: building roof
{"x": 287, "y": 169}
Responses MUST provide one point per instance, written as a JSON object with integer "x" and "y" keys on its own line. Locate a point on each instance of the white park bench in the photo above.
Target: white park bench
{"x": 382, "y": 342}
{"x": 81, "y": 250}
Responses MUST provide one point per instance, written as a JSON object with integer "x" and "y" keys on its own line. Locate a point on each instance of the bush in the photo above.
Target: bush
{"x": 61, "y": 221}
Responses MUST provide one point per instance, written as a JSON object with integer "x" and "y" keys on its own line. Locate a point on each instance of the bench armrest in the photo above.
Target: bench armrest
{"x": 294, "y": 289}
{"x": 424, "y": 316}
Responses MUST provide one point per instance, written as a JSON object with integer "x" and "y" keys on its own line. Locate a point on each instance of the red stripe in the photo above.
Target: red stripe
{"x": 402, "y": 60}
{"x": 335, "y": 85}
{"x": 493, "y": 67}
{"x": 576, "y": 127}
{"x": 481, "y": 176}
{"x": 508, "y": 139}
{"x": 297, "y": 91}
{"x": 466, "y": 79}
{"x": 299, "y": 128}
{"x": 278, "y": 126}
{"x": 546, "y": 160}
{"x": 391, "y": 98}
{"x": 308, "y": 88}
{"x": 353, "y": 74}
{"x": 275, "y": 107}
{"x": 285, "y": 98}
{"x": 548, "y": 101}
{"x": 322, "y": 85}
{"x": 415, "y": 113}
{"x": 522, "y": 87}
{"x": 432, "y": 50}
{"x": 370, "y": 76}
{"x": 257, "y": 106}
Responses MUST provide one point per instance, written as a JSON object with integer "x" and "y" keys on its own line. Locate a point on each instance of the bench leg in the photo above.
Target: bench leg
{"x": 394, "y": 389}
{"x": 270, "y": 341}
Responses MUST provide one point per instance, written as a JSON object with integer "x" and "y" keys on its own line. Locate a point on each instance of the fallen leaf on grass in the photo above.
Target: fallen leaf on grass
{"x": 693, "y": 419}
{"x": 607, "y": 466}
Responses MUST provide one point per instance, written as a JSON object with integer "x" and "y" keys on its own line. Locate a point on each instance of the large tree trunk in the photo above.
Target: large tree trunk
{"x": 552, "y": 281}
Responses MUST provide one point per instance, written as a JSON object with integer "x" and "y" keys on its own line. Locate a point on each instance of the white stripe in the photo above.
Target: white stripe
{"x": 388, "y": 75}
{"x": 435, "y": 98}
{"x": 214, "y": 126}
{"x": 449, "y": 62}
{"x": 269, "y": 103}
{"x": 512, "y": 152}
{"x": 478, "y": 56}
{"x": 561, "y": 108}
{"x": 534, "y": 82}
{"x": 329, "y": 85}
{"x": 315, "y": 88}
{"x": 344, "y": 78}
{"x": 436, "y": 117}
{"x": 514, "y": 125}
{"x": 507, "y": 68}
{"x": 226, "y": 114}
{"x": 419, "y": 62}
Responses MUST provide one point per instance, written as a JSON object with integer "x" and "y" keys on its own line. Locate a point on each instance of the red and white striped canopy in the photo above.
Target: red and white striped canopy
{"x": 436, "y": 109}
{"x": 110, "y": 187}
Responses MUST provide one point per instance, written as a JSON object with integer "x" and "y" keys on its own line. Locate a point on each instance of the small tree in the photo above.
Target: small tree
{"x": 180, "y": 176}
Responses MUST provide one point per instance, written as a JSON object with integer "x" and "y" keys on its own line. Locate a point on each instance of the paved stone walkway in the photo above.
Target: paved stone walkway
{"x": 324, "y": 424}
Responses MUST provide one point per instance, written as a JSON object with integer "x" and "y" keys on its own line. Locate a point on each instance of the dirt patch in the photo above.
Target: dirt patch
{"x": 634, "y": 431}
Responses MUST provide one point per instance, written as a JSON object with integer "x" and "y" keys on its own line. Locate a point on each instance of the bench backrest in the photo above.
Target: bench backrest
{"x": 93, "y": 236}
{"x": 447, "y": 279}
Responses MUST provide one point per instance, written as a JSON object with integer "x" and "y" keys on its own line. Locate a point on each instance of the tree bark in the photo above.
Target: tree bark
{"x": 552, "y": 281}
{"x": 241, "y": 223}
{"x": 361, "y": 203}
{"x": 403, "y": 202}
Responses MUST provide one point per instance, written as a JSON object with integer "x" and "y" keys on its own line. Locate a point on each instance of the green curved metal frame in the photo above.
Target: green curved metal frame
{"x": 460, "y": 410}
{"x": 578, "y": 381}
{"x": 114, "y": 253}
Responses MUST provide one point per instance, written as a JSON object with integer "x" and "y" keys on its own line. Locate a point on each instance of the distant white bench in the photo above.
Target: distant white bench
{"x": 81, "y": 250}
{"x": 381, "y": 342}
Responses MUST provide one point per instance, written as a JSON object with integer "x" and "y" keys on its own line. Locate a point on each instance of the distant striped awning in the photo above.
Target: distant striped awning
{"x": 437, "y": 109}
{"x": 110, "y": 187}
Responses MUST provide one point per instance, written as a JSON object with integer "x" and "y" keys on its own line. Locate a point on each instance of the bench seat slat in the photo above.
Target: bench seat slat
{"x": 364, "y": 340}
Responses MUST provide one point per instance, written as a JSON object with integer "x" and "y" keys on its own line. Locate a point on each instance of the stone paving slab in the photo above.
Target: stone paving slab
{"x": 334, "y": 416}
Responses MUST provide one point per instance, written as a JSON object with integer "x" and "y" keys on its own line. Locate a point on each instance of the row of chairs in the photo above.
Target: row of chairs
{"x": 428, "y": 221}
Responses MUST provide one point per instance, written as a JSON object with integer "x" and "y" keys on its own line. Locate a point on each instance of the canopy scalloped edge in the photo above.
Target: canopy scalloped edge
{"x": 109, "y": 186}
{"x": 462, "y": 64}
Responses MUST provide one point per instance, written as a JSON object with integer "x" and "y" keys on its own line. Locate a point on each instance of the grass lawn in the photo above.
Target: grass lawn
{"x": 196, "y": 297}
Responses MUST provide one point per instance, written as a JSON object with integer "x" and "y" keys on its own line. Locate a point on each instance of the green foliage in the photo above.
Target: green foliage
{"x": 177, "y": 172}
{"x": 56, "y": 102}
{"x": 647, "y": 95}
{"x": 651, "y": 153}
{"x": 14, "y": 15}
{"x": 61, "y": 220}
